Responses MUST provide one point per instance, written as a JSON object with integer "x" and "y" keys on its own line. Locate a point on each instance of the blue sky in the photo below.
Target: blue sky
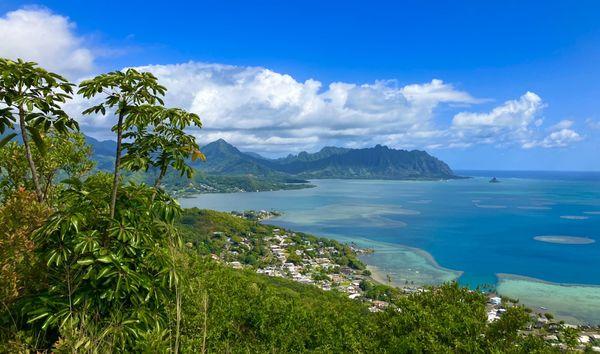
{"x": 482, "y": 85}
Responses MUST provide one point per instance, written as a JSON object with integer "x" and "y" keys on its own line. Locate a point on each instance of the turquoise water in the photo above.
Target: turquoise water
{"x": 470, "y": 230}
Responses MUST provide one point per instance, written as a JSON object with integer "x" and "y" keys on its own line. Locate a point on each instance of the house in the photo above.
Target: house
{"x": 496, "y": 300}
{"x": 346, "y": 270}
{"x": 541, "y": 322}
{"x": 379, "y": 304}
{"x": 492, "y": 316}
{"x": 584, "y": 339}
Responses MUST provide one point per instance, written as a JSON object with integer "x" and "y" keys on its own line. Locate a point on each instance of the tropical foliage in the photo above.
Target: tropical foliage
{"x": 114, "y": 272}
{"x": 31, "y": 97}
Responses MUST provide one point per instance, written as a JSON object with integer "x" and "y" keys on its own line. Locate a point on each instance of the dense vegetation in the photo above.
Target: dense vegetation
{"x": 89, "y": 263}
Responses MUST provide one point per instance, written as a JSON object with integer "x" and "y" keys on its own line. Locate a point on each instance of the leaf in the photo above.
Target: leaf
{"x": 37, "y": 140}
{"x": 38, "y": 317}
{"x": 197, "y": 154}
{"x": 85, "y": 262}
{"x": 105, "y": 259}
{"x": 6, "y": 139}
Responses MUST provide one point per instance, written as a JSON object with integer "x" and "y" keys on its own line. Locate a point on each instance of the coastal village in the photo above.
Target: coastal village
{"x": 333, "y": 266}
{"x": 306, "y": 259}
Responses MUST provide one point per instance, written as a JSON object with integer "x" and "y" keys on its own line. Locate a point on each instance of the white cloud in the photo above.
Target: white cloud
{"x": 265, "y": 111}
{"x": 36, "y": 34}
{"x": 514, "y": 121}
{"x": 563, "y": 124}
{"x": 592, "y": 124}
{"x": 257, "y": 108}
{"x": 261, "y": 110}
{"x": 559, "y": 138}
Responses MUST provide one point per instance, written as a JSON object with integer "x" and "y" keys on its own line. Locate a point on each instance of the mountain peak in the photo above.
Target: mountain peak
{"x": 221, "y": 141}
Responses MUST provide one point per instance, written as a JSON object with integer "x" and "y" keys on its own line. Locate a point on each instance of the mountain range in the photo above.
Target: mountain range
{"x": 379, "y": 162}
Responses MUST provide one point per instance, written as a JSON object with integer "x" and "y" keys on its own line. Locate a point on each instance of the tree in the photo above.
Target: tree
{"x": 67, "y": 156}
{"x": 109, "y": 278}
{"x": 20, "y": 274}
{"x": 164, "y": 143}
{"x": 130, "y": 94}
{"x": 31, "y": 97}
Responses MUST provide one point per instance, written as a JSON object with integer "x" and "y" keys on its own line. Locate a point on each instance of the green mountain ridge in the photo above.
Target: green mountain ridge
{"x": 378, "y": 162}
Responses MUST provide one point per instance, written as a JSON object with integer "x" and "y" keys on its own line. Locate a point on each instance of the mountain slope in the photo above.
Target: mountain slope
{"x": 331, "y": 162}
{"x": 103, "y": 152}
{"x": 224, "y": 158}
{"x": 306, "y": 157}
{"x": 377, "y": 162}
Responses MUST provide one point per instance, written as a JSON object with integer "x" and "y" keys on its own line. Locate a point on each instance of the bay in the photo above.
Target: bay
{"x": 428, "y": 232}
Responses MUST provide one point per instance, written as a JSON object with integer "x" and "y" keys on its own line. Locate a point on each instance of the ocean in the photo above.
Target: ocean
{"x": 534, "y": 236}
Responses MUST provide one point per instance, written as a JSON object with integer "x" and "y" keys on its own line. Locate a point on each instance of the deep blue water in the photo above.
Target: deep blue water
{"x": 469, "y": 225}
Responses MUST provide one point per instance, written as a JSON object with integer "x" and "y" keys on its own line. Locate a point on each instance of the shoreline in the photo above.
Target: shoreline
{"x": 509, "y": 276}
{"x": 571, "y": 302}
{"x": 405, "y": 262}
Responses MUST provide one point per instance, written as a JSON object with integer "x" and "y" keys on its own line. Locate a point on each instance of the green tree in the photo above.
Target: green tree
{"x": 67, "y": 156}
{"x": 109, "y": 278}
{"x": 162, "y": 142}
{"x": 31, "y": 97}
{"x": 130, "y": 94}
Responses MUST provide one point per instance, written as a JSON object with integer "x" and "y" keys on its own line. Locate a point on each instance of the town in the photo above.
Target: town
{"x": 301, "y": 257}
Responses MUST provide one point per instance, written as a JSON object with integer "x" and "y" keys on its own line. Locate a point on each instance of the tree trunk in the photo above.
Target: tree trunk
{"x": 113, "y": 200}
{"x": 34, "y": 175}
{"x": 163, "y": 171}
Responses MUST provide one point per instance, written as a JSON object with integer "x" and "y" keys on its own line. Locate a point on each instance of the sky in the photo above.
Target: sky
{"x": 504, "y": 85}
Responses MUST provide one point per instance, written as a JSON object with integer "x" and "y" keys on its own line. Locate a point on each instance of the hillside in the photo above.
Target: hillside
{"x": 227, "y": 169}
{"x": 224, "y": 158}
{"x": 378, "y": 162}
{"x": 248, "y": 312}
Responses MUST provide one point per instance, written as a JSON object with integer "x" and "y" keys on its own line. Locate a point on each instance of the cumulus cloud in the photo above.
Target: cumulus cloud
{"x": 563, "y": 124}
{"x": 592, "y": 124}
{"x": 270, "y": 112}
{"x": 36, "y": 34}
{"x": 558, "y": 138}
{"x": 513, "y": 121}
{"x": 273, "y": 113}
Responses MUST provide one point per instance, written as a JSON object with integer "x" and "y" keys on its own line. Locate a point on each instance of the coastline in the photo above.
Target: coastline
{"x": 420, "y": 268}
{"x": 573, "y": 303}
{"x": 407, "y": 266}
